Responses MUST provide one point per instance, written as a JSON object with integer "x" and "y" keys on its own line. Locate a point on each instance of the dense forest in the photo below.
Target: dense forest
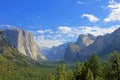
{"x": 91, "y": 69}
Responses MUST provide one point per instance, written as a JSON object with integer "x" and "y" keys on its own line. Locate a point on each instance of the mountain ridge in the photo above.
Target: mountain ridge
{"x": 74, "y": 48}
{"x": 24, "y": 42}
{"x": 102, "y": 45}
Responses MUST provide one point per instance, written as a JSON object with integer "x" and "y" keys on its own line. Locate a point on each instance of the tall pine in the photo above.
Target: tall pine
{"x": 112, "y": 68}
{"x": 78, "y": 71}
{"x": 63, "y": 73}
{"x": 89, "y": 75}
{"x": 95, "y": 66}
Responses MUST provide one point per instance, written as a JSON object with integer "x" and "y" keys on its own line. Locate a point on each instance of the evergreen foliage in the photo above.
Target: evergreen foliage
{"x": 95, "y": 66}
{"x": 63, "y": 73}
{"x": 15, "y": 66}
{"x": 112, "y": 68}
{"x": 78, "y": 71}
{"x": 89, "y": 75}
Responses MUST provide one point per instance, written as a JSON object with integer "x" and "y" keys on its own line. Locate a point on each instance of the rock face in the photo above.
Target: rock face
{"x": 103, "y": 45}
{"x": 57, "y": 53}
{"x": 74, "y": 48}
{"x": 71, "y": 51}
{"x": 45, "y": 50}
{"x": 3, "y": 42}
{"x": 23, "y": 41}
{"x": 85, "y": 40}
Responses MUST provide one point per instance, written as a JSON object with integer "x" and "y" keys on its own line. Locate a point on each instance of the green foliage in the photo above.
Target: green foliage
{"x": 78, "y": 71}
{"x": 51, "y": 77}
{"x": 63, "y": 73}
{"x": 89, "y": 75}
{"x": 15, "y": 66}
{"x": 94, "y": 64}
{"x": 112, "y": 68}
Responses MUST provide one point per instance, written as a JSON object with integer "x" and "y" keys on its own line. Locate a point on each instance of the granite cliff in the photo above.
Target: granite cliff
{"x": 103, "y": 45}
{"x": 73, "y": 49}
{"x": 24, "y": 42}
{"x": 57, "y": 52}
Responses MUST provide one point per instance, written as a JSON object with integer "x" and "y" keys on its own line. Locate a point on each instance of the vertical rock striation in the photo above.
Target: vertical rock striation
{"x": 23, "y": 41}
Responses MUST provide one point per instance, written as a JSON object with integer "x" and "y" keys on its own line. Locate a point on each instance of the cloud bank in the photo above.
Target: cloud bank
{"x": 114, "y": 14}
{"x": 69, "y": 34}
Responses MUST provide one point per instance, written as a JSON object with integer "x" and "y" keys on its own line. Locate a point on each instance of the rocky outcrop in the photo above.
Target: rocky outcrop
{"x": 45, "y": 50}
{"x": 74, "y": 48}
{"x": 71, "y": 51}
{"x": 23, "y": 41}
{"x": 57, "y": 53}
{"x": 103, "y": 45}
{"x": 85, "y": 40}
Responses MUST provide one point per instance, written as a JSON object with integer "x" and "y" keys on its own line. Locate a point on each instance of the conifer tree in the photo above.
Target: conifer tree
{"x": 78, "y": 71}
{"x": 94, "y": 64}
{"x": 70, "y": 75}
{"x": 89, "y": 75}
{"x": 61, "y": 71}
{"x": 112, "y": 68}
{"x": 51, "y": 77}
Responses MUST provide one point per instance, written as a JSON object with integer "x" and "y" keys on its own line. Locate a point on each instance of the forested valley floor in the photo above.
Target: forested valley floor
{"x": 92, "y": 69}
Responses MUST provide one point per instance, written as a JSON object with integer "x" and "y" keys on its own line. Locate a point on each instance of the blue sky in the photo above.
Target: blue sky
{"x": 55, "y": 20}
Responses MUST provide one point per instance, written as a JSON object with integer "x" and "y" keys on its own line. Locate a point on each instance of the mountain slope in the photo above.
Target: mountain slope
{"x": 16, "y": 66}
{"x": 103, "y": 45}
{"x": 57, "y": 53}
{"x": 71, "y": 51}
{"x": 24, "y": 42}
{"x": 9, "y": 53}
{"x": 85, "y": 40}
{"x": 74, "y": 48}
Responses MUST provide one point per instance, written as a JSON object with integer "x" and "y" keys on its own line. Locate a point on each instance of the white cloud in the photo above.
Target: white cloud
{"x": 91, "y": 18}
{"x": 49, "y": 38}
{"x": 47, "y": 42}
{"x": 97, "y": 30}
{"x": 114, "y": 8}
{"x": 49, "y": 31}
{"x": 41, "y": 31}
{"x": 64, "y": 29}
{"x": 6, "y": 26}
{"x": 80, "y": 2}
{"x": 45, "y": 31}
{"x": 67, "y": 34}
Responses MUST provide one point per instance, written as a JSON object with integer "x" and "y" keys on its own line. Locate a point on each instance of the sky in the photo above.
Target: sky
{"x": 54, "y": 22}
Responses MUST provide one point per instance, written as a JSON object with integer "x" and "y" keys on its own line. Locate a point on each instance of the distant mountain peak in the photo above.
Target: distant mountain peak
{"x": 103, "y": 45}
{"x": 85, "y": 40}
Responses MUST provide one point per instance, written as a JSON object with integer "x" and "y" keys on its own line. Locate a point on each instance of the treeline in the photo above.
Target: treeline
{"x": 92, "y": 69}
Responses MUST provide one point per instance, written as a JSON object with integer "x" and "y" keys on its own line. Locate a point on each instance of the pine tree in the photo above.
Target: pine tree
{"x": 70, "y": 75}
{"x": 94, "y": 64}
{"x": 61, "y": 71}
{"x": 51, "y": 77}
{"x": 78, "y": 71}
{"x": 89, "y": 75}
{"x": 112, "y": 68}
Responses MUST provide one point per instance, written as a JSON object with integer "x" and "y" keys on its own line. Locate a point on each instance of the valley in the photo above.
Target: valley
{"x": 59, "y": 39}
{"x": 70, "y": 65}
